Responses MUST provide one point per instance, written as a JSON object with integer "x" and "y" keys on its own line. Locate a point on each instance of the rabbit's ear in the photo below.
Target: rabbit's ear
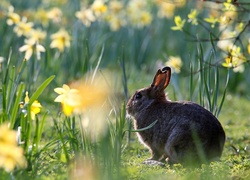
{"x": 161, "y": 79}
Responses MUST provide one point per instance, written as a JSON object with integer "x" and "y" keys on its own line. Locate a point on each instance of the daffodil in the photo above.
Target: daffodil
{"x": 179, "y": 23}
{"x": 228, "y": 6}
{"x": 68, "y": 98}
{"x": 23, "y": 27}
{"x": 192, "y": 17}
{"x": 235, "y": 59}
{"x": 212, "y": 20}
{"x": 175, "y": 63}
{"x": 165, "y": 9}
{"x": 138, "y": 14}
{"x": 41, "y": 16}
{"x": 55, "y": 14}
{"x": 13, "y": 18}
{"x": 116, "y": 16}
{"x": 37, "y": 35}
{"x": 60, "y": 40}
{"x": 115, "y": 7}
{"x": 86, "y": 16}
{"x": 99, "y": 7}
{"x": 30, "y": 46}
{"x": 11, "y": 155}
{"x": 35, "y": 107}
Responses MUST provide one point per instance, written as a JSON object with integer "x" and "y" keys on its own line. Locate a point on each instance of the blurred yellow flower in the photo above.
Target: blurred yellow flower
{"x": 55, "y": 14}
{"x": 115, "y": 7}
{"x": 41, "y": 16}
{"x": 212, "y": 20}
{"x": 60, "y": 40}
{"x": 10, "y": 154}
{"x": 165, "y": 9}
{"x": 13, "y": 18}
{"x": 84, "y": 167}
{"x": 224, "y": 20}
{"x": 175, "y": 63}
{"x": 23, "y": 27}
{"x": 192, "y": 17}
{"x": 99, "y": 7}
{"x": 81, "y": 95}
{"x": 115, "y": 21}
{"x": 138, "y": 13}
{"x": 116, "y": 15}
{"x": 86, "y": 16}
{"x": 179, "y": 23}
{"x": 229, "y": 6}
{"x": 37, "y": 35}
{"x": 68, "y": 98}
{"x": 144, "y": 19}
{"x": 30, "y": 46}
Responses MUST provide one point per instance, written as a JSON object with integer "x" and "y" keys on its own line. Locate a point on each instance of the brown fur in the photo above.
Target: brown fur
{"x": 184, "y": 133}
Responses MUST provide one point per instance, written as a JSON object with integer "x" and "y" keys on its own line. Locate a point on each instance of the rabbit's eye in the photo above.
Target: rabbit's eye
{"x": 138, "y": 95}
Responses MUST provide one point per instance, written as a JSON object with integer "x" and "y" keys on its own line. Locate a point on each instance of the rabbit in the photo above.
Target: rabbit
{"x": 184, "y": 132}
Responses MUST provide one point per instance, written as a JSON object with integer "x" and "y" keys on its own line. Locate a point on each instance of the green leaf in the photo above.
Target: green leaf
{"x": 40, "y": 89}
{"x": 143, "y": 129}
{"x": 16, "y": 105}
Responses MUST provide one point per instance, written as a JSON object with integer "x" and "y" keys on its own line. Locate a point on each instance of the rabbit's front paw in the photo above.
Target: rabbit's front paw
{"x": 153, "y": 163}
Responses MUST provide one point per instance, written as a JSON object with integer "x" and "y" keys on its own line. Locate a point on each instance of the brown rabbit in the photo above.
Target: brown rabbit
{"x": 184, "y": 132}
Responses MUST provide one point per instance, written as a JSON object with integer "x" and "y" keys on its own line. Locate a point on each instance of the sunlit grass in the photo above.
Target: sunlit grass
{"x": 69, "y": 46}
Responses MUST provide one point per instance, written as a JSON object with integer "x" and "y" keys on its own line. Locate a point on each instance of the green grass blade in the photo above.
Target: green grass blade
{"x": 40, "y": 89}
{"x": 224, "y": 94}
{"x": 143, "y": 129}
{"x": 16, "y": 105}
{"x": 10, "y": 90}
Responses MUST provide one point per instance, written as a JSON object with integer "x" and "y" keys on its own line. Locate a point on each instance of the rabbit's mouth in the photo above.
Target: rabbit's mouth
{"x": 129, "y": 110}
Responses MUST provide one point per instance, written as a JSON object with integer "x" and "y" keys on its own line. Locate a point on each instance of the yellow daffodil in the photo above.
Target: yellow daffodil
{"x": 68, "y": 98}
{"x": 175, "y": 63}
{"x": 30, "y": 46}
{"x": 115, "y": 21}
{"x": 239, "y": 27}
{"x": 55, "y": 14}
{"x": 10, "y": 154}
{"x": 116, "y": 15}
{"x": 212, "y": 20}
{"x": 35, "y": 107}
{"x": 13, "y": 18}
{"x": 165, "y": 9}
{"x": 138, "y": 14}
{"x": 23, "y": 27}
{"x": 37, "y": 35}
{"x": 115, "y": 7}
{"x": 41, "y": 16}
{"x": 179, "y": 23}
{"x": 86, "y": 16}
{"x": 228, "y": 6}
{"x": 99, "y": 7}
{"x": 192, "y": 17}
{"x": 235, "y": 59}
{"x": 60, "y": 40}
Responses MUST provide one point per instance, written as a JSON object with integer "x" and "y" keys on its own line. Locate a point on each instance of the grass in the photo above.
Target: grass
{"x": 61, "y": 147}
